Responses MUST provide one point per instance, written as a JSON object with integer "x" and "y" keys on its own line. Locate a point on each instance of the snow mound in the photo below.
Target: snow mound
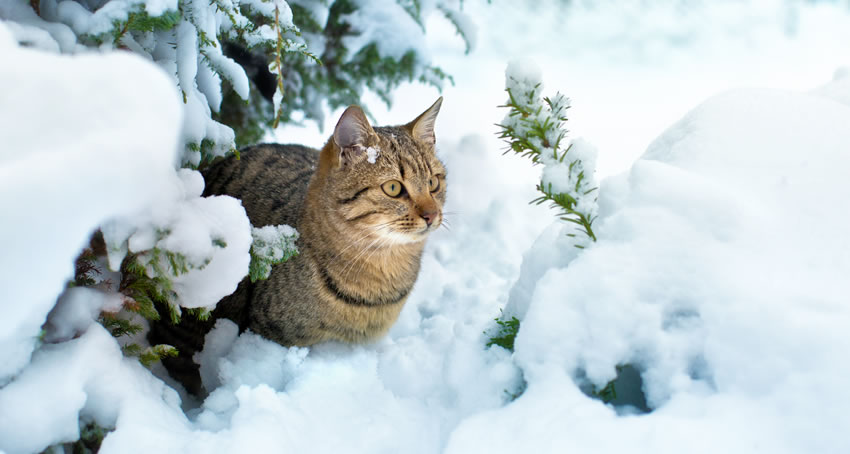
{"x": 720, "y": 274}
{"x": 74, "y": 151}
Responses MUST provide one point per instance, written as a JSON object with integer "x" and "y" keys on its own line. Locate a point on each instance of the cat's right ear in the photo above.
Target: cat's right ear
{"x": 352, "y": 134}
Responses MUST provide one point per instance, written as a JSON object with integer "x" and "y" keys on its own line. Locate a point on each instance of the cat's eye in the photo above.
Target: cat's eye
{"x": 433, "y": 184}
{"x": 392, "y": 188}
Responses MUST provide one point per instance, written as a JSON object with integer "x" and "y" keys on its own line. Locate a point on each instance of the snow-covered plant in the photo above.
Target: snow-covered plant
{"x": 184, "y": 37}
{"x": 271, "y": 245}
{"x": 534, "y": 128}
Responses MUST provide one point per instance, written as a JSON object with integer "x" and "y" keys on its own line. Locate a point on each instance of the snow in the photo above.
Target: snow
{"x": 213, "y": 234}
{"x": 719, "y": 272}
{"x": 57, "y": 185}
{"x": 372, "y": 154}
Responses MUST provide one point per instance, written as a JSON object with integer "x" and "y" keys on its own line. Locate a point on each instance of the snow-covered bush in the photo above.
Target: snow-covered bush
{"x": 363, "y": 44}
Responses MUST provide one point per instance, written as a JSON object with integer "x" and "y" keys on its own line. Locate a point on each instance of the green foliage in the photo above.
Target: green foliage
{"x": 91, "y": 437}
{"x": 331, "y": 74}
{"x": 155, "y": 353}
{"x": 271, "y": 245}
{"x": 201, "y": 313}
{"x": 85, "y": 270}
{"x": 206, "y": 149}
{"x": 566, "y": 205}
{"x": 140, "y": 21}
{"x": 607, "y": 394}
{"x": 506, "y": 333}
{"x": 142, "y": 290}
{"x": 148, "y": 356}
{"x": 250, "y": 120}
{"x": 118, "y": 327}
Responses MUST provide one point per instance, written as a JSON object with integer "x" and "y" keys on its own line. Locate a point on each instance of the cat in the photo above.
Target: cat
{"x": 363, "y": 205}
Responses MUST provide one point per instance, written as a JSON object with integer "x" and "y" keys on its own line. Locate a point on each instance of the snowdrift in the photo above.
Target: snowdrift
{"x": 720, "y": 273}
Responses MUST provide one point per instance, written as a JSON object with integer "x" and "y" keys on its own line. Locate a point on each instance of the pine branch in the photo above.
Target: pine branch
{"x": 534, "y": 129}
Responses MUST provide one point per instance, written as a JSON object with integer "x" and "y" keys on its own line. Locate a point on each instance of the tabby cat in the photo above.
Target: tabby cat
{"x": 363, "y": 205}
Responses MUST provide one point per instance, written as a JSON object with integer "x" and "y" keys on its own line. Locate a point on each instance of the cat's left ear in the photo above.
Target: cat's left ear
{"x": 422, "y": 128}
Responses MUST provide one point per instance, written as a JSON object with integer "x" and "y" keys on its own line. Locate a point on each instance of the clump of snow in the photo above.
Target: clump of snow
{"x": 87, "y": 378}
{"x": 372, "y": 154}
{"x": 274, "y": 241}
{"x": 76, "y": 309}
{"x": 523, "y": 75}
{"x": 212, "y": 234}
{"x": 62, "y": 173}
{"x": 271, "y": 244}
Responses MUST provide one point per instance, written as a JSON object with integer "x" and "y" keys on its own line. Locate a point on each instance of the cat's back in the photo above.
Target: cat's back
{"x": 270, "y": 179}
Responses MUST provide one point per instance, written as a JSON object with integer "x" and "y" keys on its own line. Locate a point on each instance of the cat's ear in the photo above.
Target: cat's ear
{"x": 352, "y": 135}
{"x": 422, "y": 128}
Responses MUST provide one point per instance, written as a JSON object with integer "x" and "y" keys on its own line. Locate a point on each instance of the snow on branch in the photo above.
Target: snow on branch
{"x": 534, "y": 128}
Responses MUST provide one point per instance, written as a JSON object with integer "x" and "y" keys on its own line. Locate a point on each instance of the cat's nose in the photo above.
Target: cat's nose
{"x": 429, "y": 217}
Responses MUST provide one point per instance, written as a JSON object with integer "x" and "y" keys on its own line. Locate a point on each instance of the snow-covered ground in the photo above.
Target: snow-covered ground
{"x": 719, "y": 274}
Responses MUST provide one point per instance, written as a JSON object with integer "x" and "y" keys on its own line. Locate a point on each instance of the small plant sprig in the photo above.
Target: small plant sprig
{"x": 506, "y": 334}
{"x": 271, "y": 245}
{"x": 534, "y": 128}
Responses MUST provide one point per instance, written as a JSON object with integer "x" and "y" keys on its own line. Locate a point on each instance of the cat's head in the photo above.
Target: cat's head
{"x": 386, "y": 181}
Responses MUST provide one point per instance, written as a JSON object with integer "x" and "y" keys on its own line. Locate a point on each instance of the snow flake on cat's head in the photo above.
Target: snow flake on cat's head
{"x": 372, "y": 154}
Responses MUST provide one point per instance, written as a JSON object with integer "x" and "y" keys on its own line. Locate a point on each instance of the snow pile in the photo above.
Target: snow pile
{"x": 96, "y": 143}
{"x": 720, "y": 274}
